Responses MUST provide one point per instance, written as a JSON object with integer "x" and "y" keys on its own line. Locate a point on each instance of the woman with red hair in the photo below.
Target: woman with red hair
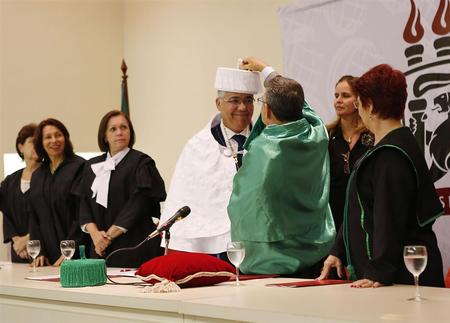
{"x": 390, "y": 200}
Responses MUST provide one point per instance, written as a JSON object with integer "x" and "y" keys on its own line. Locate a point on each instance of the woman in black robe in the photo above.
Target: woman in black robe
{"x": 120, "y": 192}
{"x": 391, "y": 200}
{"x": 53, "y": 205}
{"x": 14, "y": 196}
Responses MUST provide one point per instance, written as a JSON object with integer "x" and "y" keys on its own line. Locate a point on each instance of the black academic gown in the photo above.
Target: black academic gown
{"x": 13, "y": 204}
{"x": 54, "y": 207}
{"x": 391, "y": 202}
{"x": 135, "y": 191}
{"x": 337, "y": 148}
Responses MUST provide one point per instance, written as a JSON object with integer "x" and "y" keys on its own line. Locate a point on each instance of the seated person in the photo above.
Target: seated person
{"x": 205, "y": 169}
{"x": 279, "y": 204}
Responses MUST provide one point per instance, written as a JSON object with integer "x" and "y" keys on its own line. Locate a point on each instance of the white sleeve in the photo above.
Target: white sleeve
{"x": 266, "y": 72}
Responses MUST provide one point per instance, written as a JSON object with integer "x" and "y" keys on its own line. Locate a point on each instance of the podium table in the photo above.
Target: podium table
{"x": 23, "y": 300}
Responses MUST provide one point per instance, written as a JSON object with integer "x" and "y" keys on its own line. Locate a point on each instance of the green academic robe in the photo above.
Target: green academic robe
{"x": 279, "y": 205}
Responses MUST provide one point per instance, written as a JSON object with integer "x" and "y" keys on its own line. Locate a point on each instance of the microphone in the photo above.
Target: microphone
{"x": 179, "y": 215}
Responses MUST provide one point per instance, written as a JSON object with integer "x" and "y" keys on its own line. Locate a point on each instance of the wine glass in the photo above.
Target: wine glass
{"x": 67, "y": 248}
{"x": 415, "y": 258}
{"x": 33, "y": 249}
{"x": 236, "y": 254}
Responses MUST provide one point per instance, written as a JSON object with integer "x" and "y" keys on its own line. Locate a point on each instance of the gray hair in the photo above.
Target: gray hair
{"x": 285, "y": 98}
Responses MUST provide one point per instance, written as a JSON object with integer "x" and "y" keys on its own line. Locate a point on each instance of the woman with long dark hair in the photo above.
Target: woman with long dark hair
{"x": 54, "y": 206}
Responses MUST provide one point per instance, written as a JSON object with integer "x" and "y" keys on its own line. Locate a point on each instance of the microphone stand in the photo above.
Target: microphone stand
{"x": 181, "y": 213}
{"x": 128, "y": 249}
{"x": 167, "y": 240}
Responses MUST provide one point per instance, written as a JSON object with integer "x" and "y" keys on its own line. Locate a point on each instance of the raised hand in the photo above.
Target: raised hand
{"x": 252, "y": 64}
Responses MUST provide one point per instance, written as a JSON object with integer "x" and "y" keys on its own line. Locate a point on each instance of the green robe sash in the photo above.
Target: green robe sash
{"x": 279, "y": 205}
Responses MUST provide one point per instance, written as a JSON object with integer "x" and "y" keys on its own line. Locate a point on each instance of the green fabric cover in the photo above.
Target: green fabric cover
{"x": 279, "y": 205}
{"x": 83, "y": 272}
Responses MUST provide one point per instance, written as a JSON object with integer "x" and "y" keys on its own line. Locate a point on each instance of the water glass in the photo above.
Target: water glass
{"x": 33, "y": 249}
{"x": 67, "y": 248}
{"x": 415, "y": 258}
{"x": 236, "y": 254}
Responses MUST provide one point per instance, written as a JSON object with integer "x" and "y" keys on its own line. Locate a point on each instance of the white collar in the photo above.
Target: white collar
{"x": 231, "y": 144}
{"x": 244, "y": 132}
{"x": 102, "y": 171}
{"x": 119, "y": 156}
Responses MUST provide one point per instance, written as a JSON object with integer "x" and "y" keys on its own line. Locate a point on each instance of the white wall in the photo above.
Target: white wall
{"x": 173, "y": 49}
{"x": 62, "y": 59}
{"x": 58, "y": 59}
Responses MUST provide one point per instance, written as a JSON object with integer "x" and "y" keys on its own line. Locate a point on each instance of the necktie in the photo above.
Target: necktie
{"x": 240, "y": 139}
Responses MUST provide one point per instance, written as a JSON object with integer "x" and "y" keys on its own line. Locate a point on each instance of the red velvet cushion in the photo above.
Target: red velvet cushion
{"x": 186, "y": 269}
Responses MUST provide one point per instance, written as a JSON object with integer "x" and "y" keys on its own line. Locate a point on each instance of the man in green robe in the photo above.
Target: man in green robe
{"x": 279, "y": 204}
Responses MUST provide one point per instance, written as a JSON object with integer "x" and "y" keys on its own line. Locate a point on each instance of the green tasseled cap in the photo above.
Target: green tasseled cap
{"x": 83, "y": 272}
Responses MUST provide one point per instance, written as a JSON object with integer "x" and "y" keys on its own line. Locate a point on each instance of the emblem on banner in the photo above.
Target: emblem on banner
{"x": 428, "y": 75}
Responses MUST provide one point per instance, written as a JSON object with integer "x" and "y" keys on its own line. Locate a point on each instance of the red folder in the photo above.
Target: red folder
{"x": 250, "y": 277}
{"x": 308, "y": 283}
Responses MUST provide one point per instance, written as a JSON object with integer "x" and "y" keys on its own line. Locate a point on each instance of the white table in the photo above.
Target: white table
{"x": 24, "y": 300}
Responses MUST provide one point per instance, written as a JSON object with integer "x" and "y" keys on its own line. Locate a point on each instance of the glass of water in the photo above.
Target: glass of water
{"x": 236, "y": 254}
{"x": 33, "y": 249}
{"x": 67, "y": 248}
{"x": 415, "y": 258}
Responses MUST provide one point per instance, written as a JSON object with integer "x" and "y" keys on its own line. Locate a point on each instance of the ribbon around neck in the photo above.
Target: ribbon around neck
{"x": 102, "y": 171}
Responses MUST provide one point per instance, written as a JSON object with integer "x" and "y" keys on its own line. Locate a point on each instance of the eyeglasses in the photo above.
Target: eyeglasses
{"x": 237, "y": 101}
{"x": 261, "y": 99}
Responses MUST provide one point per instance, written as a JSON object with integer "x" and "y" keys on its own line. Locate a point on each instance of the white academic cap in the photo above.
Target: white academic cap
{"x": 236, "y": 80}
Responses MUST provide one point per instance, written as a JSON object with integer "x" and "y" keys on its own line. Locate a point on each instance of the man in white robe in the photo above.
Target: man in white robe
{"x": 203, "y": 176}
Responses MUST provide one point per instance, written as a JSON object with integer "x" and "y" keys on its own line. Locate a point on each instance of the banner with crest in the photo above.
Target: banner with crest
{"x": 324, "y": 40}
